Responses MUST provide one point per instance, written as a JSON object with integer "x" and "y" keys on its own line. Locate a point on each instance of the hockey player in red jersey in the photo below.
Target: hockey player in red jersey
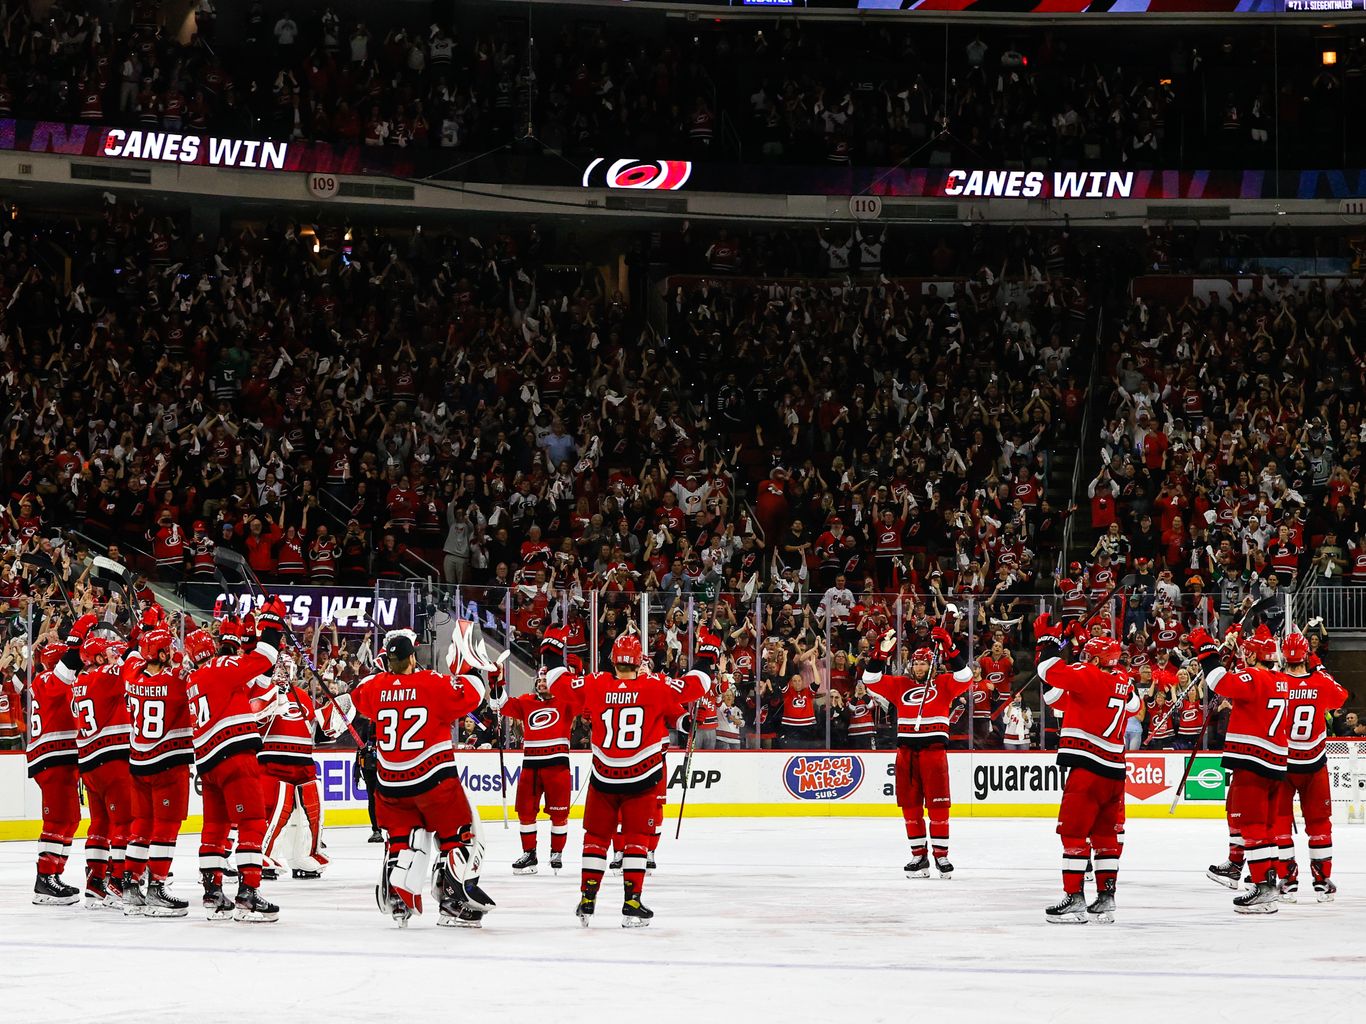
{"x": 421, "y": 805}
{"x": 630, "y": 713}
{"x": 51, "y": 754}
{"x": 102, "y": 735}
{"x": 921, "y": 702}
{"x": 292, "y": 793}
{"x": 546, "y": 723}
{"x": 224, "y": 704}
{"x": 1312, "y": 694}
{"x": 162, "y": 750}
{"x": 1099, "y": 701}
{"x": 1255, "y": 748}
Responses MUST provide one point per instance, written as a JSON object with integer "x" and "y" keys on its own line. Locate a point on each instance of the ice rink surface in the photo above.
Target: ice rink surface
{"x": 757, "y": 919}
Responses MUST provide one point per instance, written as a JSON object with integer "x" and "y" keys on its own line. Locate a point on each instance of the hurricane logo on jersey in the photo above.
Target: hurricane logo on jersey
{"x": 823, "y": 777}
{"x": 293, "y": 712}
{"x": 543, "y": 718}
{"x": 658, "y": 175}
{"x": 918, "y": 695}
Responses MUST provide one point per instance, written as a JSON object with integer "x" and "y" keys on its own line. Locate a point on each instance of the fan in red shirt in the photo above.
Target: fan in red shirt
{"x": 921, "y": 703}
{"x": 421, "y": 804}
{"x": 51, "y": 755}
{"x": 1313, "y": 693}
{"x": 162, "y": 750}
{"x": 225, "y": 702}
{"x": 630, "y": 712}
{"x": 546, "y": 723}
{"x": 1255, "y": 748}
{"x": 1099, "y": 700}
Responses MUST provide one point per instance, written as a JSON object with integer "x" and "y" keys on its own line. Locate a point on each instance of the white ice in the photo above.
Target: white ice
{"x": 758, "y": 920}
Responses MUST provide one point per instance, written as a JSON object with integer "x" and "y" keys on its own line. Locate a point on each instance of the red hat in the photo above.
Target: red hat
{"x": 199, "y": 646}
{"x": 200, "y": 526}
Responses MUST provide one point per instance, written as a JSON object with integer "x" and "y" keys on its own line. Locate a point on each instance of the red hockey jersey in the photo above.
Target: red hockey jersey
{"x": 100, "y": 708}
{"x": 1311, "y": 697}
{"x": 51, "y": 724}
{"x": 1258, "y": 726}
{"x": 631, "y": 719}
{"x": 1097, "y": 706}
{"x": 546, "y": 724}
{"x": 414, "y": 715}
{"x": 159, "y": 713}
{"x": 922, "y": 713}
{"x": 220, "y": 693}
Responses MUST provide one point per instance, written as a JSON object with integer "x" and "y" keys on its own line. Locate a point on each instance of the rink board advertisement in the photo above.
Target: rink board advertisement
{"x": 748, "y": 784}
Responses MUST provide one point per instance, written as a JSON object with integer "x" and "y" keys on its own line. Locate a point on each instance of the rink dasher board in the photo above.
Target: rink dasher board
{"x": 756, "y": 784}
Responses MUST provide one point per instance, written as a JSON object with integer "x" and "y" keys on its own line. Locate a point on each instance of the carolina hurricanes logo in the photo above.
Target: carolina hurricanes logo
{"x": 917, "y": 695}
{"x": 543, "y": 718}
{"x": 293, "y": 712}
{"x": 659, "y": 175}
{"x": 1166, "y": 636}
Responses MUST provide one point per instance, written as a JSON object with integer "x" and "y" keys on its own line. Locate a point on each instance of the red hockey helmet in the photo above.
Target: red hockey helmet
{"x": 93, "y": 648}
{"x": 626, "y": 650}
{"x": 925, "y": 654}
{"x": 50, "y": 655}
{"x": 1295, "y": 648}
{"x": 198, "y": 646}
{"x": 154, "y": 643}
{"x": 1103, "y": 650}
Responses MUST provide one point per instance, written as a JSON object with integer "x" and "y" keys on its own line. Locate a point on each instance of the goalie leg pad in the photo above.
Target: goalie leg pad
{"x": 463, "y": 860}
{"x": 412, "y": 867}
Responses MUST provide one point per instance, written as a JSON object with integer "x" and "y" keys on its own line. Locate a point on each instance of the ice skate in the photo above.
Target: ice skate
{"x": 1290, "y": 885}
{"x": 556, "y": 861}
{"x": 650, "y": 863}
{"x": 1260, "y": 899}
{"x": 376, "y": 836}
{"x": 525, "y": 864}
{"x": 588, "y": 902}
{"x": 455, "y": 913}
{"x": 217, "y": 906}
{"x": 635, "y": 914}
{"x": 250, "y": 906}
{"x": 1325, "y": 890}
{"x": 305, "y": 875}
{"x": 160, "y": 903}
{"x": 51, "y": 891}
{"x": 1071, "y": 909}
{"x": 615, "y": 866}
{"x": 98, "y": 896}
{"x": 944, "y": 867}
{"x": 134, "y": 902}
{"x": 1226, "y": 874}
{"x": 918, "y": 867}
{"x": 1102, "y": 908}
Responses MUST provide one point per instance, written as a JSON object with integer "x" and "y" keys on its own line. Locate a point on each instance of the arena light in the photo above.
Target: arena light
{"x": 1330, "y": 57}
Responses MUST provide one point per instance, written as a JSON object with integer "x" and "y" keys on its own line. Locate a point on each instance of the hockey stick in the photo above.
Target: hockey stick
{"x": 225, "y": 558}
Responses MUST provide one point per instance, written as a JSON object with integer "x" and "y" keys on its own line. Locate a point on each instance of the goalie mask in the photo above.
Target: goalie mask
{"x": 398, "y": 644}
{"x": 467, "y": 652}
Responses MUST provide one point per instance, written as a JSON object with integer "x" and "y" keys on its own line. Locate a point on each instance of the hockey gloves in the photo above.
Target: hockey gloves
{"x": 1048, "y": 639}
{"x": 270, "y": 622}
